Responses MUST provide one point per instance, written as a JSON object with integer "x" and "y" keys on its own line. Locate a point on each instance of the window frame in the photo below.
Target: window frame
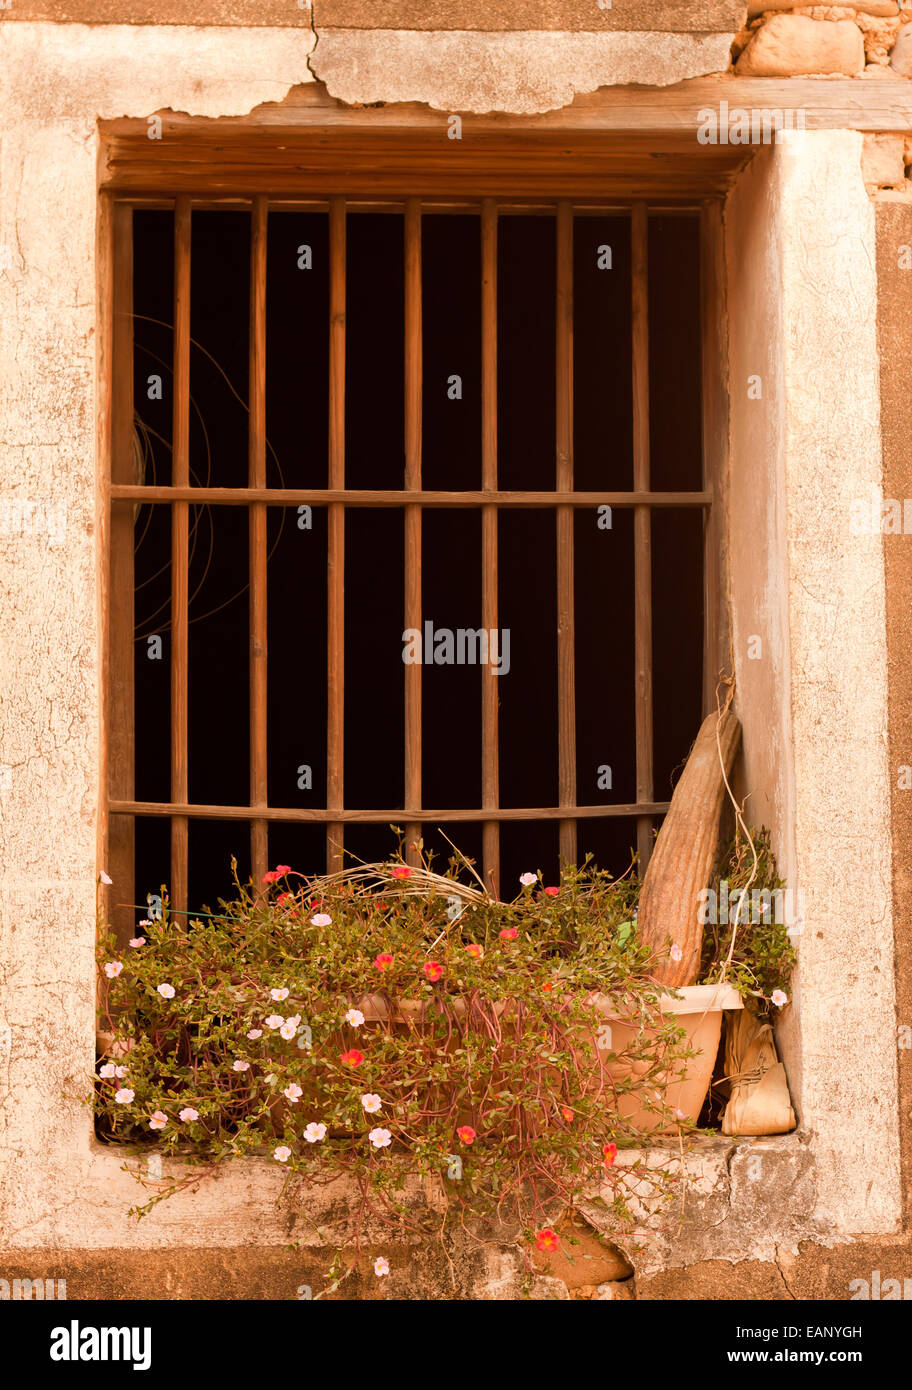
{"x": 402, "y": 193}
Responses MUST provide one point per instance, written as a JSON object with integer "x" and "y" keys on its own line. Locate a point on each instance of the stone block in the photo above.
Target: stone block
{"x": 882, "y": 161}
{"x": 793, "y": 46}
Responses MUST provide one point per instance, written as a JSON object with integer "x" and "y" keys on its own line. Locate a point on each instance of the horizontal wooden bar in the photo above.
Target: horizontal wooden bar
{"x": 396, "y": 815}
{"x": 380, "y": 497}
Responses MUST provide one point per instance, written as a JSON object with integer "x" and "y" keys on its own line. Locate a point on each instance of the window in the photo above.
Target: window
{"x": 409, "y": 512}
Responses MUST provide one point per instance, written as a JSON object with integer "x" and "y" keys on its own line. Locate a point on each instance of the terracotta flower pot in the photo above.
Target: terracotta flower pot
{"x": 699, "y": 1011}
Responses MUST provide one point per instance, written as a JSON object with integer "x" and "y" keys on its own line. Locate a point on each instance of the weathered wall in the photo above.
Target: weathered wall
{"x": 802, "y": 311}
{"x": 802, "y": 305}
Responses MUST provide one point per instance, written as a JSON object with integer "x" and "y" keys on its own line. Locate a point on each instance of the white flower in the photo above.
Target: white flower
{"x": 321, "y": 919}
{"x": 293, "y": 1092}
{"x": 314, "y": 1132}
{"x": 355, "y": 1017}
{"x": 159, "y": 1119}
{"x": 288, "y": 1030}
{"x": 294, "y": 1018}
{"x": 676, "y": 953}
{"x": 274, "y": 1020}
{"x": 254, "y": 1034}
{"x": 381, "y": 1266}
{"x": 144, "y": 923}
{"x": 113, "y": 969}
{"x": 188, "y": 1114}
{"x": 124, "y": 1096}
{"x": 779, "y": 997}
{"x": 240, "y": 1066}
{"x": 107, "y": 1071}
{"x": 120, "y": 1071}
{"x": 371, "y": 1103}
{"x": 282, "y": 1153}
{"x": 278, "y": 994}
{"x": 380, "y": 1138}
{"x": 104, "y": 878}
{"x": 528, "y": 879}
{"x": 137, "y": 941}
{"x": 166, "y": 991}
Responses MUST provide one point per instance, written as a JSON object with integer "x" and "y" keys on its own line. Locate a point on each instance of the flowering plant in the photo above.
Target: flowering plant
{"x": 390, "y": 1021}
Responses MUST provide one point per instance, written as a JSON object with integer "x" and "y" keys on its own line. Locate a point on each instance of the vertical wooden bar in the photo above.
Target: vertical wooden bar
{"x": 258, "y": 549}
{"x": 642, "y": 527}
{"x": 413, "y": 423}
{"x": 566, "y": 679}
{"x": 490, "y": 756}
{"x": 180, "y": 524}
{"x": 121, "y": 858}
{"x": 715, "y": 444}
{"x": 335, "y": 627}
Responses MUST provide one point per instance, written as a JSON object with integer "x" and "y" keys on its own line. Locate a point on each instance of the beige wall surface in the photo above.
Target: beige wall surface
{"x": 802, "y": 317}
{"x": 698, "y": 16}
{"x": 802, "y": 301}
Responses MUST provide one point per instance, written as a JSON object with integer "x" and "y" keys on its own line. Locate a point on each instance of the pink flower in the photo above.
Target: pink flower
{"x": 475, "y": 951}
{"x": 466, "y": 1134}
{"x": 314, "y": 1133}
{"x": 282, "y": 870}
{"x": 293, "y": 1093}
{"x": 159, "y": 1119}
{"x": 528, "y": 879}
{"x": 320, "y": 919}
{"x": 113, "y": 968}
{"x": 380, "y": 1138}
{"x": 136, "y": 941}
{"x": 107, "y": 1071}
{"x": 355, "y": 1017}
{"x": 120, "y": 1071}
{"x": 371, "y": 1103}
{"x": 104, "y": 878}
{"x": 270, "y": 877}
{"x": 188, "y": 1114}
{"x": 274, "y": 1020}
{"x": 676, "y": 953}
{"x": 552, "y": 892}
{"x": 352, "y": 1058}
{"x": 433, "y": 970}
{"x": 509, "y": 934}
{"x": 254, "y": 1034}
{"x": 383, "y": 961}
{"x": 779, "y": 997}
{"x": 240, "y": 1066}
{"x": 288, "y": 1030}
{"x": 166, "y": 991}
{"x": 381, "y": 1266}
{"x": 124, "y": 1096}
{"x": 278, "y": 994}
{"x": 402, "y": 871}
{"x": 282, "y": 1153}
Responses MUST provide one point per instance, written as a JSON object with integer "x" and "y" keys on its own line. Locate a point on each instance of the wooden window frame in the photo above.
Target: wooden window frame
{"x": 403, "y": 194}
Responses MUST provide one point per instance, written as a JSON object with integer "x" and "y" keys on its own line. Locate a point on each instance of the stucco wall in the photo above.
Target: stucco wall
{"x": 801, "y": 311}
{"x": 802, "y": 316}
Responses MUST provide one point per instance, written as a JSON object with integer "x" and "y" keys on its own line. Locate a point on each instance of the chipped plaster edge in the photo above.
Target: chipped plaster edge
{"x": 525, "y": 73}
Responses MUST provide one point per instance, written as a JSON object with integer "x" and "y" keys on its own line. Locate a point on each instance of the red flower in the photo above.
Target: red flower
{"x": 466, "y": 1134}
{"x": 546, "y": 1240}
{"x": 552, "y": 892}
{"x": 282, "y": 870}
{"x": 383, "y": 961}
{"x": 567, "y": 1114}
{"x": 610, "y": 1152}
{"x": 476, "y": 952}
{"x": 433, "y": 970}
{"x": 283, "y": 897}
{"x": 548, "y": 987}
{"x": 271, "y": 877}
{"x": 402, "y": 871}
{"x": 509, "y": 934}
{"x": 352, "y": 1058}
